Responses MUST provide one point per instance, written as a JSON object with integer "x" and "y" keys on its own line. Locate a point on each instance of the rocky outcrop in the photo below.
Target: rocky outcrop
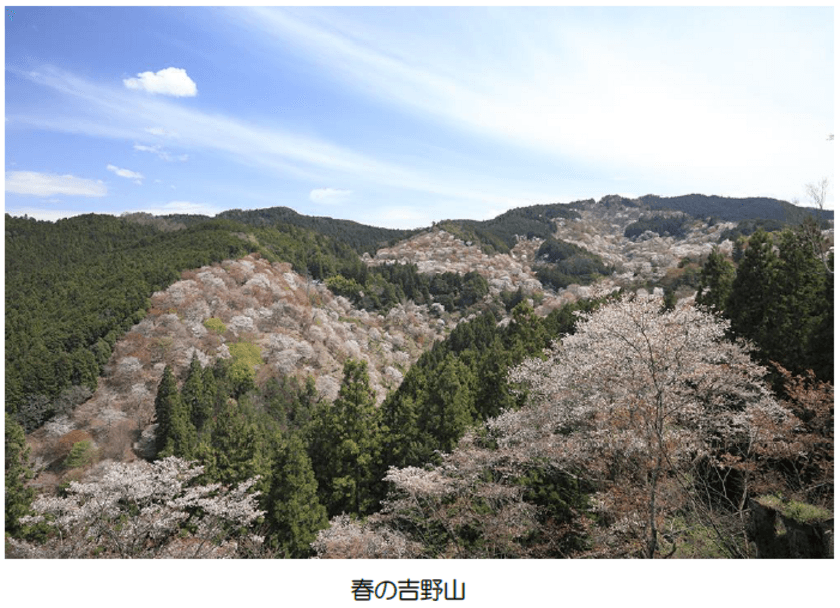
{"x": 775, "y": 533}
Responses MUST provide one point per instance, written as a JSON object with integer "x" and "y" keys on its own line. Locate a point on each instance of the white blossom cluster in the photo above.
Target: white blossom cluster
{"x": 302, "y": 330}
{"x": 439, "y": 251}
{"x": 347, "y": 538}
{"x": 145, "y": 510}
{"x": 633, "y": 373}
{"x": 600, "y": 230}
{"x": 637, "y": 396}
{"x": 628, "y": 404}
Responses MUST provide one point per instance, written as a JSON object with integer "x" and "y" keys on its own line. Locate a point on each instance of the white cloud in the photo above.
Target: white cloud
{"x": 46, "y": 184}
{"x": 126, "y": 173}
{"x": 329, "y": 196}
{"x": 640, "y": 97}
{"x": 160, "y": 132}
{"x": 182, "y": 207}
{"x": 161, "y": 153}
{"x": 254, "y": 144}
{"x": 169, "y": 81}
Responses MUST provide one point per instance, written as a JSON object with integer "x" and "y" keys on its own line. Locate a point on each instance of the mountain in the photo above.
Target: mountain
{"x": 734, "y": 209}
{"x": 98, "y": 308}
{"x": 358, "y": 236}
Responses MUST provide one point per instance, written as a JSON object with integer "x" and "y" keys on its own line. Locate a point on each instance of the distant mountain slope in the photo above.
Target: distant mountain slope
{"x": 361, "y": 237}
{"x": 358, "y": 236}
{"x": 733, "y": 209}
{"x": 499, "y": 234}
{"x": 74, "y": 286}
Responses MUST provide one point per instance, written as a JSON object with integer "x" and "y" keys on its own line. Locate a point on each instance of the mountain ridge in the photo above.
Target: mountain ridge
{"x": 531, "y": 218}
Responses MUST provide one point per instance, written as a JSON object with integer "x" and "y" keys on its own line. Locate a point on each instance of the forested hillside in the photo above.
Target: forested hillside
{"x": 75, "y": 286}
{"x": 601, "y": 379}
{"x": 735, "y": 209}
{"x": 358, "y": 236}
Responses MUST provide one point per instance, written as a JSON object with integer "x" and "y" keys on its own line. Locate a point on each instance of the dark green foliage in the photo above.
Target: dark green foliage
{"x": 310, "y": 253}
{"x": 499, "y": 234}
{"x": 715, "y": 281}
{"x": 752, "y": 298}
{"x": 359, "y": 237}
{"x": 81, "y": 454}
{"x": 243, "y": 437}
{"x": 73, "y": 286}
{"x": 748, "y": 227}
{"x": 288, "y": 403}
{"x": 167, "y": 392}
{"x": 733, "y": 209}
{"x": 554, "y": 251}
{"x": 344, "y": 445}
{"x": 782, "y": 300}
{"x": 382, "y": 287}
{"x": 294, "y": 513}
{"x": 663, "y": 226}
{"x": 821, "y": 341}
{"x": 17, "y": 474}
{"x": 471, "y": 231}
{"x": 798, "y": 286}
{"x": 237, "y": 448}
{"x": 198, "y": 394}
{"x": 32, "y": 410}
{"x": 448, "y": 408}
{"x": 176, "y": 434}
{"x": 511, "y": 298}
{"x": 456, "y": 291}
{"x": 560, "y": 498}
{"x": 564, "y": 264}
{"x": 463, "y": 380}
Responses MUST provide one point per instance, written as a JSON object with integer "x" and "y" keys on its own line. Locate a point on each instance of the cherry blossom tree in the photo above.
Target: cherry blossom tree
{"x": 146, "y": 510}
{"x": 647, "y": 404}
{"x": 474, "y": 505}
{"x": 348, "y": 538}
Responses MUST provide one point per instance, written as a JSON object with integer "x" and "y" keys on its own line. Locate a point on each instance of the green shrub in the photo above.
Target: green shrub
{"x": 216, "y": 325}
{"x": 246, "y": 353}
{"x": 81, "y": 454}
{"x": 246, "y": 356}
{"x": 342, "y": 286}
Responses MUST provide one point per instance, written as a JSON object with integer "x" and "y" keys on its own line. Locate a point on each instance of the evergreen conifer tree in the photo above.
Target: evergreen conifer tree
{"x": 716, "y": 282}
{"x": 750, "y": 303}
{"x": 17, "y": 473}
{"x": 196, "y": 399}
{"x": 237, "y": 450}
{"x": 345, "y": 445}
{"x": 450, "y": 408}
{"x": 176, "y": 434}
{"x": 799, "y": 281}
{"x": 167, "y": 393}
{"x": 294, "y": 513}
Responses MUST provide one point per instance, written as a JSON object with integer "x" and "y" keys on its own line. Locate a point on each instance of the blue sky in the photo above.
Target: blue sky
{"x": 403, "y": 116}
